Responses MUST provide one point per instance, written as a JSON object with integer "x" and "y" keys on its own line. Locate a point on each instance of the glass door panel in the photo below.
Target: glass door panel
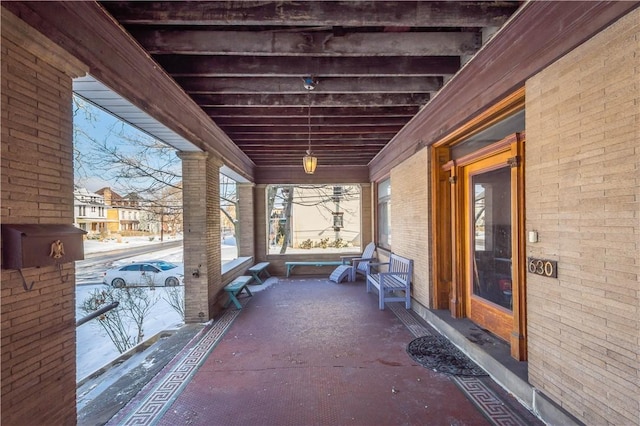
{"x": 491, "y": 248}
{"x": 488, "y": 254}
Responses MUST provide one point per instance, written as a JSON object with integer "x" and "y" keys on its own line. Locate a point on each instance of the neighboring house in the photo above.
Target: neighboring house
{"x": 326, "y": 216}
{"x": 125, "y": 211}
{"x": 90, "y": 211}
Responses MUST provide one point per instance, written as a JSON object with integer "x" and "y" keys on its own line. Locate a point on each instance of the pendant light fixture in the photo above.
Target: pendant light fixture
{"x": 309, "y": 161}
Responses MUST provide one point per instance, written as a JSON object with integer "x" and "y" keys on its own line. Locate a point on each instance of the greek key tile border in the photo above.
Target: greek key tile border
{"x": 414, "y": 326}
{"x": 488, "y": 402}
{"x": 151, "y": 409}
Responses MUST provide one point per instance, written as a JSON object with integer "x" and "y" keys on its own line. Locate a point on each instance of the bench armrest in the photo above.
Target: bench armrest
{"x": 346, "y": 260}
{"x": 375, "y": 265}
{"x": 356, "y": 258}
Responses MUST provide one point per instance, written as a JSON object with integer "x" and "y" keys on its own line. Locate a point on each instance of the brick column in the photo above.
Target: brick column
{"x": 366, "y": 214}
{"x": 38, "y": 323}
{"x": 260, "y": 225}
{"x": 201, "y": 211}
{"x": 246, "y": 228}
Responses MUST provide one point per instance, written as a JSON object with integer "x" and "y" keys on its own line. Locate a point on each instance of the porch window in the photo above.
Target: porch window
{"x": 313, "y": 219}
{"x": 229, "y": 222}
{"x": 384, "y": 214}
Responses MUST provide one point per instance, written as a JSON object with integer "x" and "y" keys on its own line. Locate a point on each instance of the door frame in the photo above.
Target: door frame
{"x": 447, "y": 202}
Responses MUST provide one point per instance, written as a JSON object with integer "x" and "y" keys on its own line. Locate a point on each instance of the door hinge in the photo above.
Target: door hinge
{"x": 513, "y": 161}
{"x": 453, "y": 179}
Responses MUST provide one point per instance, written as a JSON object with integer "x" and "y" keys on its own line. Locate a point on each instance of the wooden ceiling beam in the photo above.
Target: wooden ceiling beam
{"x": 298, "y": 66}
{"x": 325, "y": 43}
{"x": 293, "y": 85}
{"x": 315, "y": 130}
{"x": 315, "y": 13}
{"x": 316, "y": 99}
{"x": 296, "y": 157}
{"x": 249, "y": 122}
{"x": 240, "y": 139}
{"x": 282, "y": 111}
{"x": 260, "y": 147}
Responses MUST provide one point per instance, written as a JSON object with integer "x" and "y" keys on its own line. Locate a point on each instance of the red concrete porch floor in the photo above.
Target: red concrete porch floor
{"x": 308, "y": 351}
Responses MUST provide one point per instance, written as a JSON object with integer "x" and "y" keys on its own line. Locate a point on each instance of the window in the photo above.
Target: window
{"x": 384, "y": 214}
{"x": 130, "y": 268}
{"x": 149, "y": 268}
{"x": 313, "y": 219}
{"x": 229, "y": 224}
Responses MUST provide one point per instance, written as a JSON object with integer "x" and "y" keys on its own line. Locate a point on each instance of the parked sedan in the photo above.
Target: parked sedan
{"x": 150, "y": 273}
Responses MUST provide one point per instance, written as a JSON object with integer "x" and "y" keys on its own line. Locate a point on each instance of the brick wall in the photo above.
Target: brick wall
{"x": 38, "y": 326}
{"x": 201, "y": 215}
{"x": 246, "y": 220}
{"x": 410, "y": 220}
{"x": 366, "y": 213}
{"x": 260, "y": 232}
{"x": 582, "y": 195}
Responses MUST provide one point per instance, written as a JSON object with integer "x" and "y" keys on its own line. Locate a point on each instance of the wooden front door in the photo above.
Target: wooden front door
{"x": 488, "y": 249}
{"x": 479, "y": 264}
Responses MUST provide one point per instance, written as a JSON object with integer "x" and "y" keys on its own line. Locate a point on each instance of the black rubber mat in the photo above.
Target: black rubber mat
{"x": 438, "y": 354}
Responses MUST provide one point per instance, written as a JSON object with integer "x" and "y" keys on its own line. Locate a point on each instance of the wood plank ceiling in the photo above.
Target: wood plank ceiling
{"x": 376, "y": 63}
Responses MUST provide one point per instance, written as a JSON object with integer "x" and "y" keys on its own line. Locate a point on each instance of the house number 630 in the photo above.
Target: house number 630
{"x": 546, "y": 268}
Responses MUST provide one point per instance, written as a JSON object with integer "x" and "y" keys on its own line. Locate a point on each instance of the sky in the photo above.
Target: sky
{"x": 92, "y": 122}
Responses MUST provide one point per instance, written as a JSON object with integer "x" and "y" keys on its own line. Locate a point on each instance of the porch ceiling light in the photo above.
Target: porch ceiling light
{"x": 309, "y": 161}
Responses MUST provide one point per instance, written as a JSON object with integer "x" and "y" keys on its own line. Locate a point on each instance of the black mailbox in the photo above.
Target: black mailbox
{"x": 36, "y": 245}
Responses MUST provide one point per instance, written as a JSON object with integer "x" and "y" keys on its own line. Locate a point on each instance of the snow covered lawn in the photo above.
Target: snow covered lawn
{"x": 95, "y": 349}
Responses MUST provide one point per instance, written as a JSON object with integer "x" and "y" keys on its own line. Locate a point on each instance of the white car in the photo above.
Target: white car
{"x": 150, "y": 273}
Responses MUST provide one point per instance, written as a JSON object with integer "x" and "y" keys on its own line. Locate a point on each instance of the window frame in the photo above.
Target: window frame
{"x": 383, "y": 213}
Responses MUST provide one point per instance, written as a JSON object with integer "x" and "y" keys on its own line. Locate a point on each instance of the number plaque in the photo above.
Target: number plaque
{"x": 546, "y": 268}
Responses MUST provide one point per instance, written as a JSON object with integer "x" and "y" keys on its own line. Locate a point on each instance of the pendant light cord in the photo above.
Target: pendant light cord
{"x": 309, "y": 122}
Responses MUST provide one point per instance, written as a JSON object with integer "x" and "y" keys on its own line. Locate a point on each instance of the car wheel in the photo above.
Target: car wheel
{"x": 171, "y": 282}
{"x": 118, "y": 283}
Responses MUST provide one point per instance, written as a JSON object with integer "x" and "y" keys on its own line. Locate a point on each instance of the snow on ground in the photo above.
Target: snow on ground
{"x": 94, "y": 348}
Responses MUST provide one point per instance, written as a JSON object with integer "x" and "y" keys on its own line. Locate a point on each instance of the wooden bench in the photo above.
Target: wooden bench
{"x": 235, "y": 287}
{"x": 291, "y": 265}
{"x": 257, "y": 269}
{"x": 397, "y": 278}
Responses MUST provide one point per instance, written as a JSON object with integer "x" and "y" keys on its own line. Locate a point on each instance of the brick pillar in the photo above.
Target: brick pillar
{"x": 366, "y": 214}
{"x": 260, "y": 224}
{"x": 38, "y": 322}
{"x": 246, "y": 235}
{"x": 202, "y": 256}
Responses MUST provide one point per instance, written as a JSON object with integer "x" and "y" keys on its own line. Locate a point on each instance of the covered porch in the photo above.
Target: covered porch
{"x": 567, "y": 70}
{"x": 307, "y": 351}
